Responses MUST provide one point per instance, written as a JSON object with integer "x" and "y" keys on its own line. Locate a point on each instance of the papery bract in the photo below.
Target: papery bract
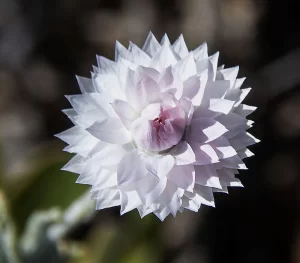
{"x": 159, "y": 129}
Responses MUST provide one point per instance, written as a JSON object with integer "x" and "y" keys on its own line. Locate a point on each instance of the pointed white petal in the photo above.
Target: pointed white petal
{"x": 163, "y": 58}
{"x": 243, "y": 140}
{"x": 204, "y": 153}
{"x": 245, "y": 153}
{"x": 183, "y": 154}
{"x": 151, "y": 46}
{"x": 85, "y": 84}
{"x": 203, "y": 130}
{"x": 183, "y": 176}
{"x": 223, "y": 148}
{"x": 207, "y": 175}
{"x": 107, "y": 198}
{"x": 185, "y": 67}
{"x": 180, "y": 47}
{"x": 200, "y": 52}
{"x": 110, "y": 130}
{"x": 126, "y": 113}
{"x": 244, "y": 110}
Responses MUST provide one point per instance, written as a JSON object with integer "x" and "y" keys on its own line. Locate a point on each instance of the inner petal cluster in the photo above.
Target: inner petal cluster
{"x": 159, "y": 128}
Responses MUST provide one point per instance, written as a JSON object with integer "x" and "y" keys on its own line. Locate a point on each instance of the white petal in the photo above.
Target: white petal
{"x": 120, "y": 51}
{"x": 72, "y": 135}
{"x": 110, "y": 130}
{"x": 83, "y": 146}
{"x": 163, "y": 58}
{"x": 227, "y": 178}
{"x": 105, "y": 63}
{"x": 183, "y": 176}
{"x": 238, "y": 83}
{"x": 244, "y": 110}
{"x": 107, "y": 198}
{"x": 104, "y": 178}
{"x": 76, "y": 165}
{"x": 162, "y": 213}
{"x": 89, "y": 175}
{"x": 200, "y": 52}
{"x": 126, "y": 113}
{"x": 221, "y": 105}
{"x": 230, "y": 74}
{"x": 183, "y": 154}
{"x": 131, "y": 169}
{"x": 185, "y": 67}
{"x": 165, "y": 40}
{"x": 191, "y": 90}
{"x": 180, "y": 47}
{"x": 243, "y": 140}
{"x": 207, "y": 175}
{"x": 204, "y": 130}
{"x": 234, "y": 162}
{"x": 138, "y": 56}
{"x": 204, "y": 154}
{"x": 85, "y": 84}
{"x": 151, "y": 46}
{"x": 171, "y": 197}
{"x": 159, "y": 166}
{"x": 223, "y": 148}
{"x": 205, "y": 195}
{"x": 245, "y": 153}
{"x": 105, "y": 154}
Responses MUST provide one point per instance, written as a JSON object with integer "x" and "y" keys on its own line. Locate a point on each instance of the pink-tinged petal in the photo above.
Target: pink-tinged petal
{"x": 126, "y": 113}
{"x": 203, "y": 130}
{"x": 200, "y": 52}
{"x": 180, "y": 47}
{"x": 110, "y": 130}
{"x": 204, "y": 154}
{"x": 140, "y": 89}
{"x": 207, "y": 175}
{"x": 151, "y": 46}
{"x": 191, "y": 90}
{"x": 170, "y": 83}
{"x": 183, "y": 154}
{"x": 183, "y": 176}
{"x": 188, "y": 108}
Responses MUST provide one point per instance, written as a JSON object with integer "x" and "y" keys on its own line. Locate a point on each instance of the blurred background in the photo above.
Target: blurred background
{"x": 46, "y": 217}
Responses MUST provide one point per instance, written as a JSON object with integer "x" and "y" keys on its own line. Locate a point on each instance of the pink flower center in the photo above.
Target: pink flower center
{"x": 158, "y": 128}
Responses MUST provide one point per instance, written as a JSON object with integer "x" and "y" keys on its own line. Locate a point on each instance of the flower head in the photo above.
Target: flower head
{"x": 159, "y": 129}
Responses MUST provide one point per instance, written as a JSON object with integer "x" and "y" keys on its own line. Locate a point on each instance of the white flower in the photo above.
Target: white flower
{"x": 159, "y": 129}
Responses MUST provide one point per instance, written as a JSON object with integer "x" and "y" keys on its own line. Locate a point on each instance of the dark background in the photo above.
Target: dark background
{"x": 44, "y": 43}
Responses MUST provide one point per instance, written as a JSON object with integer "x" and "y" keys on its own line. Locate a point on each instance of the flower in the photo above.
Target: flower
{"x": 159, "y": 129}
